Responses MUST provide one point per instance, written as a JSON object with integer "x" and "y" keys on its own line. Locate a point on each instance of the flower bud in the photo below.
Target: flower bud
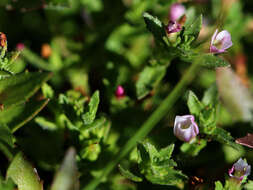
{"x": 239, "y": 170}
{"x": 20, "y": 46}
{"x": 120, "y": 92}
{"x": 177, "y": 10}
{"x": 185, "y": 128}
{"x": 173, "y": 27}
{"x": 220, "y": 41}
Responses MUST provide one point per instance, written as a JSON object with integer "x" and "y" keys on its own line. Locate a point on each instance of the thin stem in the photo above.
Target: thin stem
{"x": 157, "y": 115}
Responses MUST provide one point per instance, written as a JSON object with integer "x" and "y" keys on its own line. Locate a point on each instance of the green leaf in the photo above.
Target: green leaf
{"x": 166, "y": 152}
{"x": 211, "y": 61}
{"x": 157, "y": 165}
{"x": 18, "y": 115}
{"x": 208, "y": 117}
{"x": 11, "y": 65}
{"x": 148, "y": 79}
{"x": 193, "y": 103}
{"x": 98, "y": 123}
{"x": 23, "y": 174}
{"x": 151, "y": 150}
{"x": 224, "y": 137}
{"x": 218, "y": 185}
{"x": 36, "y": 60}
{"x": 47, "y": 91}
{"x": 6, "y": 150}
{"x": 248, "y": 186}
{"x": 166, "y": 177}
{"x": 90, "y": 115}
{"x": 210, "y": 97}
{"x": 193, "y": 29}
{"x": 4, "y": 74}
{"x": 155, "y": 26}
{"x": 7, "y": 185}
{"x": 6, "y": 135}
{"x": 194, "y": 148}
{"x": 46, "y": 124}
{"x": 127, "y": 174}
{"x": 67, "y": 176}
{"x": 19, "y": 88}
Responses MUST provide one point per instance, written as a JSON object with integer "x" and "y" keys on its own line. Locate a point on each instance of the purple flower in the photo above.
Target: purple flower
{"x": 173, "y": 27}
{"x": 239, "y": 170}
{"x": 220, "y": 41}
{"x": 185, "y": 128}
{"x": 120, "y": 92}
{"x": 177, "y": 10}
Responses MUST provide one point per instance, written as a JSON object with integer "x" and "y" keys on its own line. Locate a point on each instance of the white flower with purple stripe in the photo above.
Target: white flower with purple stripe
{"x": 185, "y": 128}
{"x": 239, "y": 170}
{"x": 220, "y": 41}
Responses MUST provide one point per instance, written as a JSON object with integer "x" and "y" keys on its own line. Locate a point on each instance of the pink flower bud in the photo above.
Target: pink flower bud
{"x": 120, "y": 92}
{"x": 220, "y": 41}
{"x": 185, "y": 128}
{"x": 177, "y": 10}
{"x": 20, "y": 46}
{"x": 173, "y": 27}
{"x": 239, "y": 170}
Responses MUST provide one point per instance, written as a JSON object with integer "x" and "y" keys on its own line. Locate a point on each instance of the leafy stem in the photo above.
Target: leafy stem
{"x": 147, "y": 126}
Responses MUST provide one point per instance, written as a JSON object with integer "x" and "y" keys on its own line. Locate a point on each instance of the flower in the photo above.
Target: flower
{"x": 173, "y": 27}
{"x": 177, "y": 10}
{"x": 185, "y": 128}
{"x": 120, "y": 92}
{"x": 20, "y": 46}
{"x": 220, "y": 41}
{"x": 239, "y": 170}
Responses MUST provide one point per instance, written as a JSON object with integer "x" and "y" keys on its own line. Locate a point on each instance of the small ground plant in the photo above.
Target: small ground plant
{"x": 126, "y": 95}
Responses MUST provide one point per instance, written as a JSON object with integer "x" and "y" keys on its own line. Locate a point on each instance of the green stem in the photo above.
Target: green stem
{"x": 157, "y": 115}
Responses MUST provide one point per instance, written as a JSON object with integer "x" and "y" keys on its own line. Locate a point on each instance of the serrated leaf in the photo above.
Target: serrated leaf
{"x": 151, "y": 150}
{"x": 23, "y": 174}
{"x": 19, "y": 88}
{"x": 11, "y": 66}
{"x": 98, "y": 123}
{"x": 67, "y": 176}
{"x": 149, "y": 78}
{"x": 127, "y": 174}
{"x": 6, "y": 135}
{"x": 166, "y": 177}
{"x": 211, "y": 61}
{"x": 218, "y": 185}
{"x": 224, "y": 137}
{"x": 156, "y": 166}
{"x": 166, "y": 152}
{"x": 194, "y": 28}
{"x": 193, "y": 103}
{"x": 90, "y": 115}
{"x": 155, "y": 26}
{"x": 18, "y": 115}
{"x": 208, "y": 117}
